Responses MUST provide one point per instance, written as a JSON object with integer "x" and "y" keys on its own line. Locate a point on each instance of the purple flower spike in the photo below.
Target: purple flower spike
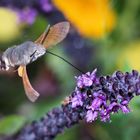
{"x": 93, "y": 97}
{"x": 107, "y": 94}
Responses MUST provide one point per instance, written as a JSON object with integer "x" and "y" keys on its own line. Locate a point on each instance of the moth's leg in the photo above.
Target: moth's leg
{"x": 20, "y": 71}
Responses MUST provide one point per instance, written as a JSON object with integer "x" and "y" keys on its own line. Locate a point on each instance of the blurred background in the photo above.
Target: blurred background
{"x": 104, "y": 34}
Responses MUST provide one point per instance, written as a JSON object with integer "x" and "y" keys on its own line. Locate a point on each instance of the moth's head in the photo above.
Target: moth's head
{"x": 3, "y": 63}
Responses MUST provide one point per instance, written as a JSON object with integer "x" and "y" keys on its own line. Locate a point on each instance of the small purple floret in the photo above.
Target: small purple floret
{"x": 96, "y": 104}
{"x": 46, "y": 6}
{"x": 91, "y": 116}
{"x": 124, "y": 109}
{"x": 27, "y": 15}
{"x": 86, "y": 80}
{"x": 77, "y": 100}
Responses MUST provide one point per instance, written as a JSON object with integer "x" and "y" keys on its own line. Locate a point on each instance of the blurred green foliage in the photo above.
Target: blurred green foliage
{"x": 11, "y": 124}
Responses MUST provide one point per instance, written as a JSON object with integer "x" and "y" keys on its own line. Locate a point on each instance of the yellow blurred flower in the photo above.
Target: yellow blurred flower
{"x": 92, "y": 18}
{"x": 130, "y": 57}
{"x": 9, "y": 28}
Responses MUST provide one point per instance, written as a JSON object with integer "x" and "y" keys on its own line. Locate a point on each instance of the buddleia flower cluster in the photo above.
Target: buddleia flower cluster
{"x": 94, "y": 97}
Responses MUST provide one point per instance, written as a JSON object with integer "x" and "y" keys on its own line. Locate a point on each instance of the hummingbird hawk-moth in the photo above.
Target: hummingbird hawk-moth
{"x": 22, "y": 55}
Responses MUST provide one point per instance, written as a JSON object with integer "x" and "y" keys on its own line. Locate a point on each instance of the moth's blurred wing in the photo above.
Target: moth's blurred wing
{"x": 30, "y": 92}
{"x": 54, "y": 35}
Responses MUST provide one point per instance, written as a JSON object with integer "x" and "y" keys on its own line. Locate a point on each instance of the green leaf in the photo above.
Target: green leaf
{"x": 11, "y": 124}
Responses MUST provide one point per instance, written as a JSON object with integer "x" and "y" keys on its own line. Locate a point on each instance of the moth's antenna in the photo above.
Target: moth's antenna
{"x": 65, "y": 61}
{"x": 45, "y": 34}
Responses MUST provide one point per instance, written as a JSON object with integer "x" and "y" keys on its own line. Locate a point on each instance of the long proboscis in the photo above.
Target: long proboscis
{"x": 65, "y": 61}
